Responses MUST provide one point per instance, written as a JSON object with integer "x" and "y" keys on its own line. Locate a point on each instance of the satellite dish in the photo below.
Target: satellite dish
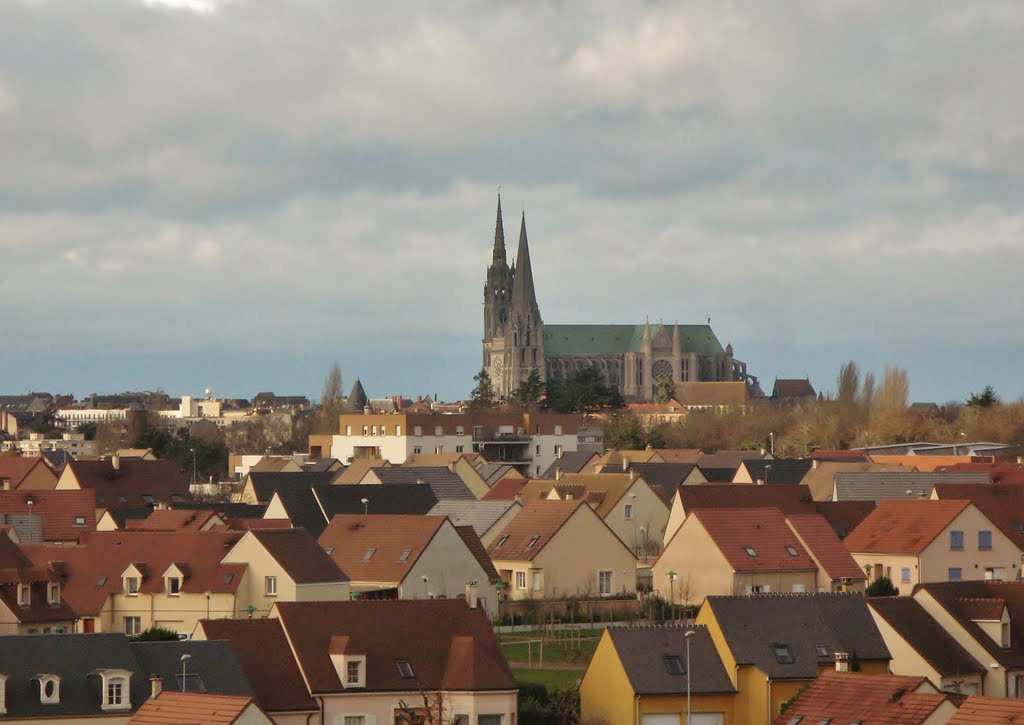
{"x": 208, "y": 392}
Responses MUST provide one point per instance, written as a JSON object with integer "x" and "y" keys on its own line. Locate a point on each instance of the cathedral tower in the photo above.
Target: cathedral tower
{"x": 497, "y": 310}
{"x": 527, "y": 334}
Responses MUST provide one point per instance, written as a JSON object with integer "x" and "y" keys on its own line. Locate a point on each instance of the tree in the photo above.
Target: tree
{"x": 529, "y": 391}
{"x": 985, "y": 399}
{"x": 848, "y": 384}
{"x": 332, "y": 402}
{"x": 883, "y": 587}
{"x": 482, "y": 396}
{"x": 156, "y": 634}
{"x": 625, "y": 431}
{"x": 583, "y": 391}
{"x": 664, "y": 389}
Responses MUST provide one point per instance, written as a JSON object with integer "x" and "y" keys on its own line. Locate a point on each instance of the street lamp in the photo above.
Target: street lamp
{"x": 632, "y": 507}
{"x": 366, "y": 503}
{"x": 643, "y": 535}
{"x": 767, "y": 468}
{"x": 193, "y": 451}
{"x": 184, "y": 660}
{"x": 425, "y": 594}
{"x": 672, "y": 592}
{"x": 771, "y": 440}
{"x": 687, "y": 637}
{"x": 208, "y": 595}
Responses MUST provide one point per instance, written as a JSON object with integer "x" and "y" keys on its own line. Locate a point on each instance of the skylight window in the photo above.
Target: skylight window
{"x": 405, "y": 669}
{"x": 405, "y": 555}
{"x": 533, "y": 541}
{"x": 101, "y": 581}
{"x": 795, "y": 720}
{"x": 674, "y": 665}
{"x": 369, "y": 554}
{"x": 791, "y": 550}
{"x": 228, "y": 578}
{"x": 751, "y": 551}
{"x": 502, "y": 540}
{"x": 822, "y": 651}
{"x": 782, "y": 654}
{"x": 148, "y": 499}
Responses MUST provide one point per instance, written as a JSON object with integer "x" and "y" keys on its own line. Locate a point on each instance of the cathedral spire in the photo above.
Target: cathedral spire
{"x": 499, "y": 238}
{"x": 524, "y": 298}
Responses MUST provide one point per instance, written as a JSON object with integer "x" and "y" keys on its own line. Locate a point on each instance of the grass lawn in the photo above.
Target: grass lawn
{"x": 516, "y": 648}
{"x": 562, "y": 679}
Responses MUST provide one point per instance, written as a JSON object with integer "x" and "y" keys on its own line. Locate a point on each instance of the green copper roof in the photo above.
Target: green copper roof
{"x": 617, "y": 339}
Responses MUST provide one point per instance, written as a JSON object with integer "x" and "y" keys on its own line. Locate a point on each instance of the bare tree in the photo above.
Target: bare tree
{"x": 332, "y": 402}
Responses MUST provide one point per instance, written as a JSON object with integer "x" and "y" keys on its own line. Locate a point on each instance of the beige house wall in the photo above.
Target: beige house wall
{"x": 471, "y": 477}
{"x": 701, "y": 568}
{"x": 177, "y": 613}
{"x": 67, "y": 480}
{"x": 890, "y": 565}
{"x": 676, "y": 516}
{"x": 695, "y": 477}
{"x": 448, "y": 564}
{"x": 649, "y": 513}
{"x": 252, "y": 715}
{"x": 275, "y": 509}
{"x": 937, "y": 557}
{"x": 379, "y": 708}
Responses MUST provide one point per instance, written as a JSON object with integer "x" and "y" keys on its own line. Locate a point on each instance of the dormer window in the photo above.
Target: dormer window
{"x": 49, "y": 689}
{"x": 114, "y": 689}
{"x": 131, "y": 585}
{"x": 353, "y": 673}
{"x": 173, "y": 586}
{"x": 53, "y": 593}
{"x": 24, "y": 595}
{"x": 751, "y": 551}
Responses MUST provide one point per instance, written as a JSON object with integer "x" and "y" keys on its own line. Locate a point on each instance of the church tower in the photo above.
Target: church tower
{"x": 527, "y": 333}
{"x": 497, "y": 311}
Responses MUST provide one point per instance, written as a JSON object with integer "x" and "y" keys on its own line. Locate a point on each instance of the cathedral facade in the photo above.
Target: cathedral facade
{"x": 631, "y": 358}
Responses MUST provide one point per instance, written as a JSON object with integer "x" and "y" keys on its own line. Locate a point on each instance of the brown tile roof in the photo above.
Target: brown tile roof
{"x": 505, "y": 490}
{"x": 832, "y": 454}
{"x": 787, "y": 499}
{"x": 538, "y": 523}
{"x": 763, "y": 530}
{"x": 267, "y": 660}
{"x": 793, "y": 388}
{"x": 94, "y": 567}
{"x": 16, "y": 568}
{"x": 128, "y": 484}
{"x": 955, "y": 598}
{"x": 246, "y": 524}
{"x": 845, "y": 697}
{"x": 981, "y": 710}
{"x": 357, "y": 469}
{"x": 171, "y": 520}
{"x": 185, "y": 708}
{"x": 448, "y": 645}
{"x": 299, "y": 555}
{"x": 349, "y": 539}
{"x": 615, "y": 457}
{"x": 825, "y": 547}
{"x": 903, "y": 526}
{"x": 59, "y": 511}
{"x": 473, "y": 543}
{"x": 680, "y": 455}
{"x": 925, "y": 635}
{"x": 844, "y": 516}
{"x": 727, "y": 459}
{"x": 17, "y": 468}
{"x": 1002, "y": 504}
{"x": 998, "y": 471}
{"x": 982, "y": 609}
{"x": 604, "y": 490}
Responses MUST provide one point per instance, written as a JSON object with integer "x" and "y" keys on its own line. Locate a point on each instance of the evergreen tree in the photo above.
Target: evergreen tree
{"x": 664, "y": 389}
{"x": 583, "y": 391}
{"x": 529, "y": 391}
{"x": 985, "y": 399}
{"x": 482, "y": 396}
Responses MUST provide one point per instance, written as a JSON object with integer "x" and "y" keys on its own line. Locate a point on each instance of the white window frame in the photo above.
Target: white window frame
{"x": 114, "y": 694}
{"x": 270, "y": 586}
{"x": 171, "y": 590}
{"x": 132, "y": 625}
{"x": 353, "y": 679}
{"x": 53, "y": 593}
{"x": 604, "y": 577}
{"x": 24, "y": 595}
{"x": 131, "y": 586}
{"x": 520, "y": 580}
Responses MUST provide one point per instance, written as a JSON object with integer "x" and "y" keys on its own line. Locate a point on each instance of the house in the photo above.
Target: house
{"x": 856, "y": 697}
{"x": 878, "y": 486}
{"x": 488, "y": 518}
{"x": 638, "y": 675}
{"x": 143, "y": 453}
{"x": 259, "y": 486}
{"x": 104, "y": 677}
{"x": 444, "y": 483}
{"x": 63, "y": 516}
{"x": 1002, "y": 504}
{"x": 732, "y": 551}
{"x": 624, "y": 501}
{"x": 557, "y": 549}
{"x": 129, "y": 482}
{"x": 773, "y": 645}
{"x": 356, "y": 470}
{"x": 837, "y": 570}
{"x": 463, "y": 465}
{"x": 919, "y": 645}
{"x": 719, "y": 396}
{"x": 194, "y": 707}
{"x": 176, "y": 520}
{"x": 771, "y": 472}
{"x": 925, "y": 462}
{"x": 844, "y": 516}
{"x": 792, "y": 390}
{"x": 653, "y": 414}
{"x": 821, "y": 479}
{"x": 31, "y": 598}
{"x": 915, "y": 541}
{"x": 114, "y": 519}
{"x": 664, "y": 478}
{"x": 998, "y": 471}
{"x": 28, "y": 473}
{"x": 409, "y": 557}
{"x": 569, "y": 462}
{"x": 380, "y": 661}
{"x": 978, "y": 709}
{"x": 507, "y": 489}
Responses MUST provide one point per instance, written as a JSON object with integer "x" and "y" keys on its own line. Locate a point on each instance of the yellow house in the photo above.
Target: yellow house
{"x": 915, "y": 541}
{"x": 772, "y": 645}
{"x": 557, "y": 549}
{"x": 638, "y": 676}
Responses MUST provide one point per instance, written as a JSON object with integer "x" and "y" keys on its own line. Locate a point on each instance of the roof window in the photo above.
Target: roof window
{"x": 369, "y": 554}
{"x": 533, "y": 541}
{"x": 674, "y": 665}
{"x": 228, "y": 578}
{"x": 751, "y": 551}
{"x": 404, "y": 556}
{"x": 405, "y": 669}
{"x": 791, "y": 550}
{"x": 502, "y": 540}
{"x": 101, "y": 581}
{"x": 782, "y": 654}
{"x": 79, "y": 521}
{"x": 148, "y": 499}
{"x": 822, "y": 651}
{"x": 795, "y": 720}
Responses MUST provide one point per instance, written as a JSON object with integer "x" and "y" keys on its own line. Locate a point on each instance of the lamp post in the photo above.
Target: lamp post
{"x": 208, "y": 595}
{"x": 687, "y": 637}
{"x": 643, "y": 536}
{"x": 632, "y": 508}
{"x": 366, "y": 504}
{"x": 425, "y": 594}
{"x": 184, "y": 660}
{"x": 771, "y": 442}
{"x": 672, "y": 592}
{"x": 193, "y": 452}
{"x": 767, "y": 468}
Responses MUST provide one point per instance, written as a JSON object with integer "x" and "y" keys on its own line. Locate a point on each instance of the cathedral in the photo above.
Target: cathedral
{"x": 630, "y": 357}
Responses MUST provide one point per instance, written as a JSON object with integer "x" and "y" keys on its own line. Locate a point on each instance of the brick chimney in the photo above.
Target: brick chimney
{"x": 842, "y": 662}
{"x": 471, "y": 595}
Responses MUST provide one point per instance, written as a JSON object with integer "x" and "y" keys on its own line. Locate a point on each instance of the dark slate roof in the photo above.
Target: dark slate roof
{"x": 324, "y": 464}
{"x": 57, "y": 458}
{"x": 663, "y": 477}
{"x": 225, "y": 510}
{"x": 642, "y": 652}
{"x": 213, "y": 665}
{"x": 569, "y": 462}
{"x": 441, "y": 481}
{"x": 779, "y": 470}
{"x": 926, "y": 636}
{"x": 303, "y": 509}
{"x": 265, "y": 483}
{"x": 357, "y": 399}
{"x": 844, "y": 516}
{"x": 493, "y": 472}
{"x": 753, "y": 625}
{"x": 881, "y": 485}
{"x": 396, "y": 498}
{"x": 28, "y": 527}
{"x": 715, "y": 474}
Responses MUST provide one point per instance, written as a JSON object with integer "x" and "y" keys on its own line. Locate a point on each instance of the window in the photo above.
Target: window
{"x": 53, "y": 593}
{"x": 984, "y": 541}
{"x": 404, "y": 556}
{"x": 674, "y": 665}
{"x": 460, "y": 431}
{"x": 502, "y": 540}
{"x": 751, "y": 551}
{"x": 782, "y": 654}
{"x": 24, "y": 595}
{"x": 354, "y": 720}
{"x": 791, "y": 550}
{"x": 520, "y": 580}
{"x": 905, "y": 574}
{"x": 417, "y": 450}
{"x": 365, "y": 430}
{"x": 538, "y": 581}
{"x": 538, "y": 450}
{"x": 173, "y": 586}
{"x": 489, "y": 719}
{"x": 956, "y": 540}
{"x": 79, "y": 521}
{"x": 533, "y": 541}
{"x": 369, "y": 554}
{"x": 270, "y": 586}
{"x": 417, "y": 430}
{"x": 438, "y": 449}
{"x": 348, "y": 430}
{"x": 604, "y": 583}
{"x": 822, "y": 651}
{"x": 373, "y": 430}
{"x": 133, "y": 626}
{"x": 558, "y": 451}
{"x": 460, "y": 449}
{"x": 131, "y": 585}
{"x": 558, "y": 431}
{"x": 383, "y": 430}
{"x": 955, "y": 574}
{"x": 352, "y": 672}
{"x": 49, "y": 689}
{"x": 438, "y": 430}
{"x": 404, "y": 669}
{"x": 398, "y": 430}
{"x": 148, "y": 499}
{"x": 627, "y": 512}
{"x": 115, "y": 692}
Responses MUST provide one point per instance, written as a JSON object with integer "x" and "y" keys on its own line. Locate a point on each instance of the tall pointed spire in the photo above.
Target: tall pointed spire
{"x": 524, "y": 298}
{"x": 499, "y": 238}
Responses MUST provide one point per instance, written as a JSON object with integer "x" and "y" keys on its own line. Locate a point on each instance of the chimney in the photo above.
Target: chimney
{"x": 558, "y": 473}
{"x": 632, "y": 474}
{"x": 3, "y": 694}
{"x": 842, "y": 662}
{"x": 156, "y": 685}
{"x": 814, "y": 463}
{"x": 471, "y": 594}
{"x": 625, "y": 462}
{"x": 115, "y": 461}
{"x": 419, "y": 480}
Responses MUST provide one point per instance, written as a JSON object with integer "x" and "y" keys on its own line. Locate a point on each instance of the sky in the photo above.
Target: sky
{"x": 234, "y": 194}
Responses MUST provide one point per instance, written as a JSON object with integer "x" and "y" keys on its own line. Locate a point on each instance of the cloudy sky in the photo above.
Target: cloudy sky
{"x": 235, "y": 193}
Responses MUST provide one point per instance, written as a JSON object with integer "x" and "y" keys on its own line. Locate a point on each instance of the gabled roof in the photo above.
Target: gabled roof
{"x": 879, "y": 486}
{"x": 178, "y": 708}
{"x": 531, "y": 530}
{"x": 727, "y": 459}
{"x": 172, "y": 520}
{"x": 441, "y": 481}
{"x": 956, "y": 598}
{"x": 1002, "y": 504}
{"x": 854, "y": 697}
{"x": 604, "y": 490}
{"x": 568, "y": 462}
{"x": 793, "y": 388}
{"x": 476, "y": 548}
{"x": 212, "y": 664}
{"x": 299, "y": 555}
{"x": 825, "y": 547}
{"x": 507, "y": 489}
{"x": 59, "y": 510}
{"x": 998, "y": 471}
{"x": 844, "y": 516}
{"x": 396, "y": 498}
{"x": 480, "y": 515}
{"x": 302, "y": 507}
{"x": 981, "y": 710}
{"x": 266, "y": 483}
{"x": 382, "y": 548}
{"x": 787, "y": 499}
{"x": 751, "y": 626}
{"x": 663, "y": 477}
{"x": 903, "y": 526}
{"x": 18, "y": 468}
{"x": 357, "y": 469}
{"x": 763, "y": 531}
{"x": 718, "y": 474}
{"x": 496, "y": 472}
{"x": 680, "y": 455}
{"x": 267, "y": 660}
{"x": 821, "y": 479}
{"x": 926, "y": 636}
{"x": 448, "y": 645}
{"x": 132, "y": 481}
{"x": 642, "y": 652}
{"x": 778, "y": 470}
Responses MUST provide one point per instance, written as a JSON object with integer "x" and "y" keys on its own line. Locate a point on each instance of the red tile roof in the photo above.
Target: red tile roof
{"x": 762, "y": 530}
{"x": 998, "y": 471}
{"x": 299, "y": 555}
{"x": 18, "y": 468}
{"x": 184, "y": 708}
{"x": 130, "y": 482}
{"x": 59, "y": 511}
{"x": 979, "y": 710}
{"x": 845, "y": 697}
{"x": 267, "y": 660}
{"x": 349, "y": 539}
{"x": 448, "y": 645}
{"x": 826, "y": 454}
{"x": 534, "y": 526}
{"x": 16, "y": 568}
{"x": 825, "y": 547}
{"x": 787, "y": 499}
{"x": 505, "y": 490}
{"x": 982, "y": 609}
{"x": 903, "y": 526}
{"x": 246, "y": 524}
{"x": 171, "y": 520}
